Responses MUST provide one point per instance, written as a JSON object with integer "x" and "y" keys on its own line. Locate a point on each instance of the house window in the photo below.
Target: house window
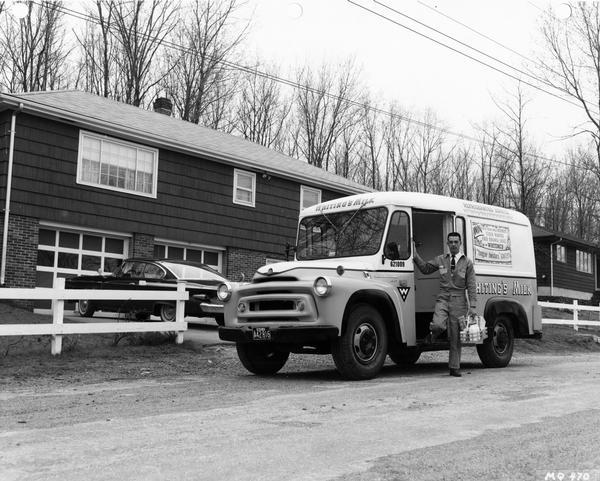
{"x": 309, "y": 197}
{"x": 116, "y": 165}
{"x": 561, "y": 253}
{"x": 584, "y": 262}
{"x": 244, "y": 187}
{"x": 189, "y": 252}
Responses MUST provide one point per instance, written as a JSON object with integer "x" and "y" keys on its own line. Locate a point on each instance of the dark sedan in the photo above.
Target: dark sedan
{"x": 154, "y": 274}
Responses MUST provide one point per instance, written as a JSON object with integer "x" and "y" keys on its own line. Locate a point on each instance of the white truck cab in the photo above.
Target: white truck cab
{"x": 353, "y": 291}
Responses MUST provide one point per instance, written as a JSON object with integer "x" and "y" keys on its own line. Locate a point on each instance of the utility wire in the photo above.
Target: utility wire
{"x": 487, "y": 37}
{"x": 296, "y": 85}
{"x": 459, "y": 51}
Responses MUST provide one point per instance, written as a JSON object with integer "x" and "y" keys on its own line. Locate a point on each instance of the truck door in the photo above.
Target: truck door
{"x": 397, "y": 269}
{"x": 430, "y": 229}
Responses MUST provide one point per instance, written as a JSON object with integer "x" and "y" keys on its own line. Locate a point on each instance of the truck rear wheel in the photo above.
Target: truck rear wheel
{"x": 359, "y": 353}
{"x": 405, "y": 356}
{"x": 497, "y": 349}
{"x": 262, "y": 359}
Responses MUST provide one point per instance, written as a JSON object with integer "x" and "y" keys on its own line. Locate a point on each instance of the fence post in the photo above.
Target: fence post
{"x": 58, "y": 310}
{"x": 575, "y": 315}
{"x": 180, "y": 310}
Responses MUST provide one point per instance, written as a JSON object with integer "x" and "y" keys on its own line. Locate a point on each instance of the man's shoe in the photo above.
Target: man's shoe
{"x": 455, "y": 373}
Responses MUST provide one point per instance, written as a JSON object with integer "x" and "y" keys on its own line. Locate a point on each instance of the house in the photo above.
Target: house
{"x": 86, "y": 181}
{"x": 567, "y": 267}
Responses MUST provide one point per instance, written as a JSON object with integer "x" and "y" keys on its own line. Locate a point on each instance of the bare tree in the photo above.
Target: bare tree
{"x": 262, "y": 111}
{"x": 493, "y": 170}
{"x": 100, "y": 54}
{"x": 372, "y": 144}
{"x": 141, "y": 28}
{"x": 326, "y": 106}
{"x": 529, "y": 172}
{"x": 33, "y": 52}
{"x": 199, "y": 81}
{"x": 429, "y": 157}
{"x": 573, "y": 46}
{"x": 399, "y": 136}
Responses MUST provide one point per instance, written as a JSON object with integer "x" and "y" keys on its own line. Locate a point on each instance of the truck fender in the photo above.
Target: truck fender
{"x": 383, "y": 303}
{"x": 499, "y": 305}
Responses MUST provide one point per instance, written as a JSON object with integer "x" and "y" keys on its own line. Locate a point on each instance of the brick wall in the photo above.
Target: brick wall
{"x": 240, "y": 261}
{"x": 142, "y": 245}
{"x": 21, "y": 258}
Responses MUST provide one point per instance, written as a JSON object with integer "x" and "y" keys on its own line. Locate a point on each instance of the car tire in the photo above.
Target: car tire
{"x": 405, "y": 356}
{"x": 85, "y": 308}
{"x": 167, "y": 313}
{"x": 359, "y": 353}
{"x": 263, "y": 359}
{"x": 497, "y": 349}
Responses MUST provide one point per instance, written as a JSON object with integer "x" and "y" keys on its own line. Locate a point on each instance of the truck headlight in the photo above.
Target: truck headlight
{"x": 224, "y": 292}
{"x": 322, "y": 286}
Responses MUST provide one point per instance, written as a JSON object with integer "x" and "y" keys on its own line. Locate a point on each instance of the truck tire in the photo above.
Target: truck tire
{"x": 359, "y": 353}
{"x": 497, "y": 349}
{"x": 262, "y": 359}
{"x": 405, "y": 356}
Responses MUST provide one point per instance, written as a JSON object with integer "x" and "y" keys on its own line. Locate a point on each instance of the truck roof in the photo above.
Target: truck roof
{"x": 418, "y": 200}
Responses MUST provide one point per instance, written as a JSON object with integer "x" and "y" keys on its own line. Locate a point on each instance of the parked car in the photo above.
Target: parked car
{"x": 154, "y": 274}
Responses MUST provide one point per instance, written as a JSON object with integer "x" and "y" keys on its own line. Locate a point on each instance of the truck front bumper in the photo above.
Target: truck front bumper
{"x": 282, "y": 334}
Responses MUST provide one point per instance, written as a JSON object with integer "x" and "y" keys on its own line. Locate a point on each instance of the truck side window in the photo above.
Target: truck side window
{"x": 397, "y": 244}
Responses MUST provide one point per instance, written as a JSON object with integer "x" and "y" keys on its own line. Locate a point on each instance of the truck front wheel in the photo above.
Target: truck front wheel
{"x": 497, "y": 349}
{"x": 359, "y": 353}
{"x": 262, "y": 359}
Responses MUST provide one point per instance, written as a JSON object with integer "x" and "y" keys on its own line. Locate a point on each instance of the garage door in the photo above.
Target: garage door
{"x": 65, "y": 252}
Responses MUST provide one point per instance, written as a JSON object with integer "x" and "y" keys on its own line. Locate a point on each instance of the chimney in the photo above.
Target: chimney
{"x": 163, "y": 105}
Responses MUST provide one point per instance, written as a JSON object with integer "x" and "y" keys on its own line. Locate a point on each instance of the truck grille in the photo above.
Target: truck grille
{"x": 272, "y": 305}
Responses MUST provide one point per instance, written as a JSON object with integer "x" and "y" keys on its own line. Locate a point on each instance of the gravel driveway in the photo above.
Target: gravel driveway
{"x": 141, "y": 412}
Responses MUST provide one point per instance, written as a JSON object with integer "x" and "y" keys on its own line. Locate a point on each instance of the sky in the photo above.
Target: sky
{"x": 400, "y": 65}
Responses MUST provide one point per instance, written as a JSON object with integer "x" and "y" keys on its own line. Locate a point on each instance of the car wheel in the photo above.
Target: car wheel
{"x": 262, "y": 359}
{"x": 405, "y": 356}
{"x": 497, "y": 349}
{"x": 85, "y": 308}
{"x": 359, "y": 353}
{"x": 167, "y": 313}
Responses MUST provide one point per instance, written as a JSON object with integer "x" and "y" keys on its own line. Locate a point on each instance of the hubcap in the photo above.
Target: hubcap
{"x": 168, "y": 313}
{"x": 365, "y": 342}
{"x": 83, "y": 305}
{"x": 501, "y": 339}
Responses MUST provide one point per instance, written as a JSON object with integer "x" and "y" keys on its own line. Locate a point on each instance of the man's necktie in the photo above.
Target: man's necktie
{"x": 453, "y": 264}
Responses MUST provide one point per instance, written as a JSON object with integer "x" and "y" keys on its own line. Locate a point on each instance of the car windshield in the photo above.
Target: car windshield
{"x": 184, "y": 271}
{"x": 341, "y": 234}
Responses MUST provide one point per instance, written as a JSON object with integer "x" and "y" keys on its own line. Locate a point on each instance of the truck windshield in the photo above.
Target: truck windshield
{"x": 341, "y": 234}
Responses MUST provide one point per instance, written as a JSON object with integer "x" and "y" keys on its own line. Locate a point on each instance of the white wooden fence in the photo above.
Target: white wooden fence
{"x": 58, "y": 294}
{"x": 575, "y": 321}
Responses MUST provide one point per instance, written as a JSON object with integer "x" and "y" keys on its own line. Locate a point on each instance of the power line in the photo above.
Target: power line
{"x": 296, "y": 85}
{"x": 460, "y": 51}
{"x": 487, "y": 37}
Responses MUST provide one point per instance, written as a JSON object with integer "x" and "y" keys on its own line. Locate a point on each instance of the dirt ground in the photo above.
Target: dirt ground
{"x": 94, "y": 358}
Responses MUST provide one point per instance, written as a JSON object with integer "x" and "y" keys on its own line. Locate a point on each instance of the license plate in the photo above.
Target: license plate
{"x": 261, "y": 334}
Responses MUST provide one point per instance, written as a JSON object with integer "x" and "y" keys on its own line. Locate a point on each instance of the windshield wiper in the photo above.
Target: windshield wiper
{"x": 347, "y": 223}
